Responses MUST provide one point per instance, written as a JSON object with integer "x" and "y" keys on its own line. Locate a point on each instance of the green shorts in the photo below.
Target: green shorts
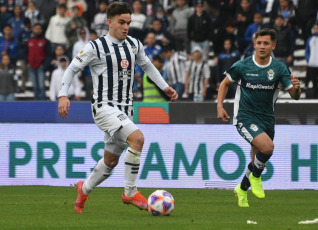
{"x": 249, "y": 129}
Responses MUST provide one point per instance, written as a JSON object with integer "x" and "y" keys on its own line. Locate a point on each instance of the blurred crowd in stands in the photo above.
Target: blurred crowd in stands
{"x": 191, "y": 42}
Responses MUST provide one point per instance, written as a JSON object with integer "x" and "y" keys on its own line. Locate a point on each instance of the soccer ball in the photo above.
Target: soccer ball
{"x": 160, "y": 203}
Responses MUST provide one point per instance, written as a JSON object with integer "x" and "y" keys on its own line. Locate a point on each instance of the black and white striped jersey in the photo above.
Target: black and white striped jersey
{"x": 177, "y": 68}
{"x": 198, "y": 72}
{"x": 112, "y": 65}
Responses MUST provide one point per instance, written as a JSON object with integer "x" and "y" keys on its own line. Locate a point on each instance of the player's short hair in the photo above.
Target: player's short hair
{"x": 266, "y": 31}
{"x": 117, "y": 8}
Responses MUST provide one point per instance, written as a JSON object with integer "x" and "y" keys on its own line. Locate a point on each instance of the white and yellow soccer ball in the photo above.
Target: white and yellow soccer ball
{"x": 160, "y": 203}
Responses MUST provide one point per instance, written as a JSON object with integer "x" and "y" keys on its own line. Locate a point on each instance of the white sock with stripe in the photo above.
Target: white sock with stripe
{"x": 100, "y": 173}
{"x": 132, "y": 162}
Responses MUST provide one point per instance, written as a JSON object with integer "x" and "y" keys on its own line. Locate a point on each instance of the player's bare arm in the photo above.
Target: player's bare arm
{"x": 295, "y": 91}
{"x": 224, "y": 86}
{"x": 170, "y": 92}
{"x": 64, "y": 106}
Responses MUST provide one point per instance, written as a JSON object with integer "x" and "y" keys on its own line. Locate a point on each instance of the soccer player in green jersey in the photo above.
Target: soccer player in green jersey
{"x": 259, "y": 78}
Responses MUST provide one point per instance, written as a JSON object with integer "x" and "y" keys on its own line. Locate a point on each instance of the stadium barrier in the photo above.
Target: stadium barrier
{"x": 39, "y": 148}
{"x": 299, "y": 112}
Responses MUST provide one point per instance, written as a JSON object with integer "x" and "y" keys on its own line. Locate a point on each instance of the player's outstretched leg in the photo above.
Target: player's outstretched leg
{"x": 256, "y": 186}
{"x": 81, "y": 197}
{"x": 241, "y": 196}
{"x": 131, "y": 195}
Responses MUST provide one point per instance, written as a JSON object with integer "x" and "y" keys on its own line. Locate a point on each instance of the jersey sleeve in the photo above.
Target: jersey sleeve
{"x": 285, "y": 79}
{"x": 86, "y": 56}
{"x": 142, "y": 58}
{"x": 233, "y": 73}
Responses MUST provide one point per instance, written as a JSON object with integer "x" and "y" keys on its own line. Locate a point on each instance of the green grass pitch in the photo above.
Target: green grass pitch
{"x": 44, "y": 207}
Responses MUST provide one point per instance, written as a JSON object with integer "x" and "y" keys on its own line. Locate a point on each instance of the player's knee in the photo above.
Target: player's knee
{"x": 269, "y": 149}
{"x": 137, "y": 140}
{"x": 111, "y": 162}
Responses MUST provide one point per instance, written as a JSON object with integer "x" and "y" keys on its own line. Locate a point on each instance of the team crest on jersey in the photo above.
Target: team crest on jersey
{"x": 124, "y": 63}
{"x": 254, "y": 127}
{"x": 270, "y": 74}
{"x": 134, "y": 49}
{"x": 81, "y": 52}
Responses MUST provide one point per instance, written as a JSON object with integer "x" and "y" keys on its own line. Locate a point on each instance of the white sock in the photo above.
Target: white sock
{"x": 132, "y": 162}
{"x": 100, "y": 173}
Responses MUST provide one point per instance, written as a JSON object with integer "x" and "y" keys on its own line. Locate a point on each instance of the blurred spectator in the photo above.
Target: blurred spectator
{"x": 161, "y": 15}
{"x": 72, "y": 26}
{"x": 176, "y": 69}
{"x": 23, "y": 51}
{"x": 286, "y": 9}
{"x": 226, "y": 58}
{"x": 100, "y": 20}
{"x": 197, "y": 76}
{"x": 138, "y": 22}
{"x": 57, "y": 53}
{"x": 227, "y": 9}
{"x": 163, "y": 36}
{"x": 8, "y": 45}
{"x": 260, "y": 6}
{"x": 312, "y": 60}
{"x": 151, "y": 49}
{"x": 92, "y": 10}
{"x": 17, "y": 22}
{"x": 81, "y": 4}
{"x": 39, "y": 50}
{"x": 285, "y": 41}
{"x": 74, "y": 91}
{"x": 254, "y": 27}
{"x": 149, "y": 8}
{"x": 306, "y": 15}
{"x": 5, "y": 16}
{"x": 93, "y": 35}
{"x": 200, "y": 30}
{"x": 226, "y": 32}
{"x": 168, "y": 6}
{"x": 7, "y": 79}
{"x": 55, "y": 30}
{"x": 179, "y": 24}
{"x": 34, "y": 14}
{"x": 151, "y": 92}
{"x": 244, "y": 18}
{"x": 47, "y": 9}
{"x": 83, "y": 39}
{"x": 22, "y": 3}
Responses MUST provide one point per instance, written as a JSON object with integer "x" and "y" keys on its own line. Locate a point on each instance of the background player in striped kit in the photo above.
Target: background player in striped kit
{"x": 197, "y": 76}
{"x": 259, "y": 79}
{"x": 112, "y": 59}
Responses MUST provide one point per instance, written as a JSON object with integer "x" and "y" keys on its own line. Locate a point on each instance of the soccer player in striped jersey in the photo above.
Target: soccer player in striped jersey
{"x": 259, "y": 78}
{"x": 112, "y": 59}
{"x": 197, "y": 76}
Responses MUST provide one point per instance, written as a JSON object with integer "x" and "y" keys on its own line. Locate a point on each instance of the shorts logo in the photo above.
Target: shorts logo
{"x": 254, "y": 127}
{"x": 270, "y": 74}
{"x": 124, "y": 63}
{"x": 121, "y": 117}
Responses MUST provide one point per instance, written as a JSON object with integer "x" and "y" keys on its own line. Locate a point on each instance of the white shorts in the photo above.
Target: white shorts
{"x": 116, "y": 125}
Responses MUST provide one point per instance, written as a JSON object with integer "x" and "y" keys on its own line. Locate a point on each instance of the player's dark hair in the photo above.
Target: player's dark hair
{"x": 266, "y": 31}
{"x": 117, "y": 8}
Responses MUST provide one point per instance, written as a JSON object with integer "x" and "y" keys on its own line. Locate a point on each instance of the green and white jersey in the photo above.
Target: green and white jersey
{"x": 258, "y": 87}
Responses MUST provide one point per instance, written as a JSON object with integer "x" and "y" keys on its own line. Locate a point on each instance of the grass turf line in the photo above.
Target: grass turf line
{"x": 44, "y": 207}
